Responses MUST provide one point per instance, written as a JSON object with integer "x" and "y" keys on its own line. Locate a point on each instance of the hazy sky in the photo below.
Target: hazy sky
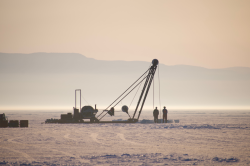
{"x": 207, "y": 33}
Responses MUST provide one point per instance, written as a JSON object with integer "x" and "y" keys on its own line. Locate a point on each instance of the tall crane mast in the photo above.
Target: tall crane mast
{"x": 148, "y": 80}
{"x": 146, "y": 87}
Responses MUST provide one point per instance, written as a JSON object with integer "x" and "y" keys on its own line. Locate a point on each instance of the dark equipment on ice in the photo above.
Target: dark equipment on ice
{"x": 111, "y": 112}
{"x": 24, "y": 123}
{"x": 3, "y": 121}
{"x": 2, "y": 117}
{"x": 12, "y": 123}
{"x": 148, "y": 80}
{"x": 88, "y": 112}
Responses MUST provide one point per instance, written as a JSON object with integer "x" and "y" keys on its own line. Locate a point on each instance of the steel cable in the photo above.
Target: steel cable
{"x": 159, "y": 86}
{"x": 124, "y": 92}
{"x": 125, "y": 95}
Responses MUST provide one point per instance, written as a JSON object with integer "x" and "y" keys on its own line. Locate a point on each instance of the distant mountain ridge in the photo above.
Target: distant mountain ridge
{"x": 61, "y": 63}
{"x": 74, "y": 62}
{"x": 51, "y": 78}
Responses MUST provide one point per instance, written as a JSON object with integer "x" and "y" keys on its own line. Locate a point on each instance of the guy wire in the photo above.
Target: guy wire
{"x": 159, "y": 86}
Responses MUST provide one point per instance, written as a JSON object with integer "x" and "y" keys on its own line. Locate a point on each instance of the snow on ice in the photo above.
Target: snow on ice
{"x": 208, "y": 138}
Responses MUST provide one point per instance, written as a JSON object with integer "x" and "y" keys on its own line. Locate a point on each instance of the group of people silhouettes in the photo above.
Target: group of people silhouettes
{"x": 156, "y": 114}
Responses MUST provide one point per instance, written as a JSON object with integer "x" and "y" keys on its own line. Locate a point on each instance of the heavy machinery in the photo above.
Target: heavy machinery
{"x": 88, "y": 112}
{"x": 12, "y": 123}
{"x": 148, "y": 76}
{"x": 3, "y": 121}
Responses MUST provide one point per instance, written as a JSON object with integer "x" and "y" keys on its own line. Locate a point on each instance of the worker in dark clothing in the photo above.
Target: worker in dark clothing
{"x": 165, "y": 114}
{"x": 156, "y": 113}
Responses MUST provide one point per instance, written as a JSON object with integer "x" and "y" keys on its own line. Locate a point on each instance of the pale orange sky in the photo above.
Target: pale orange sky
{"x": 207, "y": 33}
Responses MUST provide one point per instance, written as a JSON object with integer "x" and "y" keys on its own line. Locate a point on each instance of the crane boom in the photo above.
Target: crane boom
{"x": 146, "y": 87}
{"x": 148, "y": 80}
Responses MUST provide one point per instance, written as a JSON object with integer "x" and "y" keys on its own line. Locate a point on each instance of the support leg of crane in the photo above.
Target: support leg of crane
{"x": 96, "y": 120}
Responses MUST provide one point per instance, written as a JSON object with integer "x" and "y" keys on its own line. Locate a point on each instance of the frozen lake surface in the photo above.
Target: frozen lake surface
{"x": 200, "y": 138}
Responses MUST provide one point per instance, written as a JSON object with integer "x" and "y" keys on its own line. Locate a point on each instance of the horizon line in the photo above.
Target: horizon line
{"x": 126, "y": 60}
{"x": 146, "y": 108}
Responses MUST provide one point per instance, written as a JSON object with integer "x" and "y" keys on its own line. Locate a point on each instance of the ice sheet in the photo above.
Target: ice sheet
{"x": 200, "y": 138}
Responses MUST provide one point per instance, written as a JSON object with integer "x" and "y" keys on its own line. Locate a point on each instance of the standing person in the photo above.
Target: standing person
{"x": 156, "y": 113}
{"x": 165, "y": 114}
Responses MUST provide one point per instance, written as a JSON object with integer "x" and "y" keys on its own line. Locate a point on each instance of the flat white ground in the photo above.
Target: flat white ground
{"x": 200, "y": 138}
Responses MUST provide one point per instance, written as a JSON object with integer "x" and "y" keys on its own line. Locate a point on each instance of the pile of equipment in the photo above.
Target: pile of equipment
{"x": 88, "y": 112}
{"x": 12, "y": 123}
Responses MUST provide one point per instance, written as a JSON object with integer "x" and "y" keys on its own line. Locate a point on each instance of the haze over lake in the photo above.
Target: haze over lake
{"x": 48, "y": 80}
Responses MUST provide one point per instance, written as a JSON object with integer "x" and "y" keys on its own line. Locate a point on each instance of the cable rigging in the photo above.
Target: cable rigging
{"x": 149, "y": 78}
{"x": 124, "y": 93}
